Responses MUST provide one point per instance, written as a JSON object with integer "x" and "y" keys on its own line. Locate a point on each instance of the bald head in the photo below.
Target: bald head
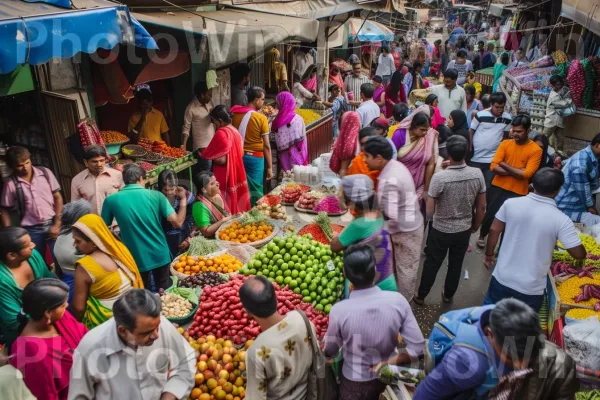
{"x": 258, "y": 297}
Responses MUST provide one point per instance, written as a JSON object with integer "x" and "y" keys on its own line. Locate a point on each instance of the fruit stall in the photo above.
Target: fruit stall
{"x": 574, "y": 308}
{"x": 289, "y": 247}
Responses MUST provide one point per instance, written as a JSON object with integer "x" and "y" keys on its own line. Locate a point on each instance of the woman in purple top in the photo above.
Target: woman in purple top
{"x": 290, "y": 133}
{"x": 379, "y": 95}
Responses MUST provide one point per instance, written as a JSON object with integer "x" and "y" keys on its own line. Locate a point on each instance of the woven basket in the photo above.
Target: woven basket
{"x": 176, "y": 260}
{"x": 258, "y": 244}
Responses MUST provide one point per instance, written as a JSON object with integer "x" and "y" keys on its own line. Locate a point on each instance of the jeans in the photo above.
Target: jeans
{"x": 39, "y": 236}
{"x": 438, "y": 245}
{"x": 488, "y": 175}
{"x": 386, "y": 79}
{"x": 497, "y": 196}
{"x": 498, "y": 291}
{"x": 159, "y": 276}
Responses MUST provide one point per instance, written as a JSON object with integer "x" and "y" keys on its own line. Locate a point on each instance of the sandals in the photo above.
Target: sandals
{"x": 481, "y": 243}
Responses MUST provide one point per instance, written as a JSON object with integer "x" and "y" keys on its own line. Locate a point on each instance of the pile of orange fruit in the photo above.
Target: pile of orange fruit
{"x": 238, "y": 233}
{"x": 224, "y": 263}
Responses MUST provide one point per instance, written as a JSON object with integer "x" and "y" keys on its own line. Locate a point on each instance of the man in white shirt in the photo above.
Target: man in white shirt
{"x": 531, "y": 226}
{"x": 462, "y": 65}
{"x": 353, "y": 83}
{"x": 399, "y": 204}
{"x": 136, "y": 355}
{"x": 368, "y": 109}
{"x": 450, "y": 96}
{"x": 385, "y": 66}
{"x": 196, "y": 118}
{"x": 488, "y": 128}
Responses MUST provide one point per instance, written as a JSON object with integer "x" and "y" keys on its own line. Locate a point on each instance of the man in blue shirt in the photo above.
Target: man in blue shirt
{"x": 513, "y": 338}
{"x": 581, "y": 180}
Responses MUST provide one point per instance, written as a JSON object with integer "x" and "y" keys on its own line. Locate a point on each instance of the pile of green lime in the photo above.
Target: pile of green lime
{"x": 306, "y": 266}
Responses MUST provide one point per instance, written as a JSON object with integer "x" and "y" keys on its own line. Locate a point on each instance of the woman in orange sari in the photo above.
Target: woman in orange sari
{"x": 225, "y": 150}
{"x": 358, "y": 165}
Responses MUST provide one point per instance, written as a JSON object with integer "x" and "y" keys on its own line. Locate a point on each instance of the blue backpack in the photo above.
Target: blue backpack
{"x": 459, "y": 328}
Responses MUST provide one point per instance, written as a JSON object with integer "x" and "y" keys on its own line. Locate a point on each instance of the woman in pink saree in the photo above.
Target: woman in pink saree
{"x": 290, "y": 133}
{"x": 49, "y": 334}
{"x": 420, "y": 149}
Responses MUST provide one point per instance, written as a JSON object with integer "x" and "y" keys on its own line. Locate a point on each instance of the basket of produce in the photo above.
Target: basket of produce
{"x": 152, "y": 157}
{"x": 251, "y": 228}
{"x": 321, "y": 229}
{"x": 203, "y": 279}
{"x": 146, "y": 166}
{"x": 307, "y": 267}
{"x": 133, "y": 151}
{"x": 270, "y": 206}
{"x": 179, "y": 304}
{"x": 113, "y": 141}
{"x": 329, "y": 204}
{"x": 391, "y": 375}
{"x": 291, "y": 193}
{"x": 184, "y": 265}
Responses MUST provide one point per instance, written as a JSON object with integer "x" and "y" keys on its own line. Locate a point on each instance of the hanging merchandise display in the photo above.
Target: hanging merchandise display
{"x": 576, "y": 82}
{"x": 589, "y": 75}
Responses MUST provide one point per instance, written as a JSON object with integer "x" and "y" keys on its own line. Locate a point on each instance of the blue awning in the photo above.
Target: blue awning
{"x": 34, "y": 33}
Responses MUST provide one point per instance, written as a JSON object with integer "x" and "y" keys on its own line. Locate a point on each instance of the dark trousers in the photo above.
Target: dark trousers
{"x": 496, "y": 198}
{"x": 488, "y": 175}
{"x": 498, "y": 291}
{"x": 159, "y": 276}
{"x": 39, "y": 236}
{"x": 438, "y": 245}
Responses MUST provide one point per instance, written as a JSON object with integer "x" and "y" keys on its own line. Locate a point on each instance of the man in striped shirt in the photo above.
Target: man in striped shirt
{"x": 353, "y": 83}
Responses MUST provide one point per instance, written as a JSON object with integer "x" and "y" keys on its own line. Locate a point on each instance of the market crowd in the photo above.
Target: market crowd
{"x": 456, "y": 165}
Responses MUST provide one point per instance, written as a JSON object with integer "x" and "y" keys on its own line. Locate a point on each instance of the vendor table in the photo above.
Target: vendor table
{"x": 150, "y": 182}
{"x": 485, "y": 76}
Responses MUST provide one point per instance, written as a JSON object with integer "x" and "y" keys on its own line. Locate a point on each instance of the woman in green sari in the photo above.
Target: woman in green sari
{"x": 209, "y": 211}
{"x": 366, "y": 228}
{"x": 498, "y": 70}
{"x": 20, "y": 264}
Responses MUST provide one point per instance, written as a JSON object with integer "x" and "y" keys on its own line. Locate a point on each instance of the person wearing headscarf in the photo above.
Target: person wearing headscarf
{"x": 105, "y": 273}
{"x": 419, "y": 152}
{"x": 394, "y": 92}
{"x": 382, "y": 126}
{"x": 366, "y": 228}
{"x": 309, "y": 79}
{"x": 290, "y": 133}
{"x": 457, "y": 122}
{"x": 358, "y": 166}
{"x": 437, "y": 119}
{"x": 499, "y": 70}
{"x": 335, "y": 77}
{"x": 302, "y": 94}
{"x": 443, "y": 134}
{"x": 346, "y": 145}
{"x": 379, "y": 94}
{"x": 65, "y": 255}
{"x": 226, "y": 151}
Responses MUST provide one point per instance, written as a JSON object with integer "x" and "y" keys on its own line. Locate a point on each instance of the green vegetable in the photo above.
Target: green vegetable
{"x": 322, "y": 219}
{"x": 252, "y": 216}
{"x": 199, "y": 246}
{"x": 190, "y": 294}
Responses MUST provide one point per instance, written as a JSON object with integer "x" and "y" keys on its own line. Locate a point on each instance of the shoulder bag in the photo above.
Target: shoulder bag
{"x": 321, "y": 382}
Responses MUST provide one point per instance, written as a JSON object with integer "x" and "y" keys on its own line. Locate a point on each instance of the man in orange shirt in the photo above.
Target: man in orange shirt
{"x": 516, "y": 161}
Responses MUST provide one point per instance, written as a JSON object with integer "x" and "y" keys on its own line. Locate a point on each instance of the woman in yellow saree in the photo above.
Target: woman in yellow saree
{"x": 105, "y": 273}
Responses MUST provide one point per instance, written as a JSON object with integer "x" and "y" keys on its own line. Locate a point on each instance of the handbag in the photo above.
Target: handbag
{"x": 321, "y": 382}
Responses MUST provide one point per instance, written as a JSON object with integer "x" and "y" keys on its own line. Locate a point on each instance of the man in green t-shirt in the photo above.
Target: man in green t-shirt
{"x": 139, "y": 213}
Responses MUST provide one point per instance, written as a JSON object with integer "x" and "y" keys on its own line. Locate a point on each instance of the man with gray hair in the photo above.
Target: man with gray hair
{"x": 136, "y": 355}
{"x": 139, "y": 212}
{"x": 504, "y": 356}
{"x": 456, "y": 203}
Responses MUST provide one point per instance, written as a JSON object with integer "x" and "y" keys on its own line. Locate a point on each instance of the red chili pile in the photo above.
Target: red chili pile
{"x": 221, "y": 312}
{"x": 270, "y": 199}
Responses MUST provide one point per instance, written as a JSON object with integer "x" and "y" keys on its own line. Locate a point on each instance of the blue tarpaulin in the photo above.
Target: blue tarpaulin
{"x": 34, "y": 33}
{"x": 58, "y": 3}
